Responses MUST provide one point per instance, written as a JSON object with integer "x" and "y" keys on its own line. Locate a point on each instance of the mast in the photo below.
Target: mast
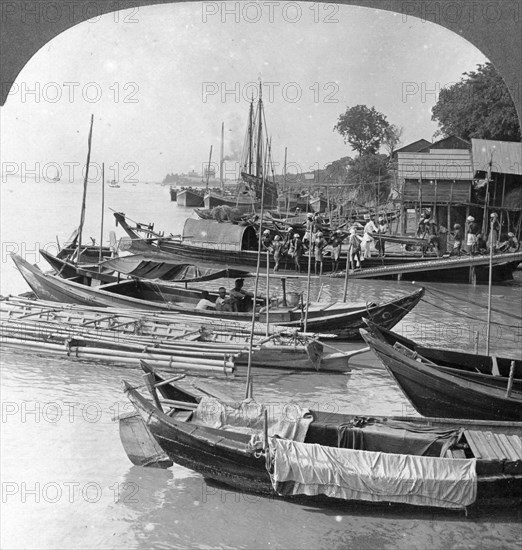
{"x": 488, "y": 327}
{"x": 209, "y": 161}
{"x": 286, "y": 194}
{"x": 259, "y": 153}
{"x": 102, "y": 209}
{"x": 249, "y": 389}
{"x": 85, "y": 180}
{"x": 250, "y": 134}
{"x": 222, "y": 180}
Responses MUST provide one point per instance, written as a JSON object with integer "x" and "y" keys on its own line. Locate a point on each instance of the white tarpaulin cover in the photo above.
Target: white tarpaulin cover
{"x": 289, "y": 421}
{"x": 310, "y": 469}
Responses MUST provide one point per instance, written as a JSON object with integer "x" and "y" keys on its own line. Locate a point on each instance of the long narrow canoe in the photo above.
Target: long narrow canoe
{"x": 447, "y": 392}
{"x": 339, "y": 319}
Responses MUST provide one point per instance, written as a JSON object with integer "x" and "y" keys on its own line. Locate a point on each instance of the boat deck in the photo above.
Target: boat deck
{"x": 490, "y": 446}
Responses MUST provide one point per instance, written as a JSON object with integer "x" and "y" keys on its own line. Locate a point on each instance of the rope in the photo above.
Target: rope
{"x": 452, "y": 312}
{"x": 506, "y": 313}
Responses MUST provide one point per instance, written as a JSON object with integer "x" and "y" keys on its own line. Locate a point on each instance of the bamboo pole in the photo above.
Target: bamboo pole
{"x": 510, "y": 379}
{"x": 209, "y": 161}
{"x": 249, "y": 388}
{"x": 490, "y": 278}
{"x": 84, "y": 197}
{"x": 267, "y": 292}
{"x": 222, "y": 157}
{"x": 102, "y": 210}
{"x": 310, "y": 248}
{"x": 502, "y": 204}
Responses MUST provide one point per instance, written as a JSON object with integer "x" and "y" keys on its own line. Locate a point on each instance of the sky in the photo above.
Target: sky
{"x": 160, "y": 80}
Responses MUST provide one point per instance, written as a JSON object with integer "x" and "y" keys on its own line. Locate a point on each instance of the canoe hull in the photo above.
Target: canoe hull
{"x": 341, "y": 324}
{"x": 436, "y": 393}
{"x": 225, "y": 457}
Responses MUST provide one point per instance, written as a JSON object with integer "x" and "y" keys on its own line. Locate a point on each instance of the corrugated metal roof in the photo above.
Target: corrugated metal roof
{"x": 505, "y": 156}
{"x": 440, "y": 164}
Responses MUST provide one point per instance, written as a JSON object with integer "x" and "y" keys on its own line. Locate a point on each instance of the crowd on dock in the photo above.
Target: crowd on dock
{"x": 470, "y": 239}
{"x": 318, "y": 236}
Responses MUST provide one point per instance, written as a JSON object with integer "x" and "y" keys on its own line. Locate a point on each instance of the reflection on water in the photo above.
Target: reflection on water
{"x": 66, "y": 482}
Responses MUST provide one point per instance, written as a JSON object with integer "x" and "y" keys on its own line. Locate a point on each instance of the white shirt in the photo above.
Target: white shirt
{"x": 205, "y": 304}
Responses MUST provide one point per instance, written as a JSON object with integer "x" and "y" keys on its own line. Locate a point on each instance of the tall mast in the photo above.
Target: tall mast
{"x": 85, "y": 180}
{"x": 259, "y": 158}
{"x": 222, "y": 180}
{"x": 209, "y": 161}
{"x": 250, "y": 134}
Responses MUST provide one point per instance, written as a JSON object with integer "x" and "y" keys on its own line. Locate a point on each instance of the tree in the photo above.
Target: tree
{"x": 392, "y": 138}
{"x": 479, "y": 106}
{"x": 338, "y": 169}
{"x": 372, "y": 172}
{"x": 363, "y": 128}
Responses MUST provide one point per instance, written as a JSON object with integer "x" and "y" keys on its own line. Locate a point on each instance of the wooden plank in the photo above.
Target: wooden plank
{"x": 480, "y": 445}
{"x": 509, "y": 450}
{"x": 473, "y": 443}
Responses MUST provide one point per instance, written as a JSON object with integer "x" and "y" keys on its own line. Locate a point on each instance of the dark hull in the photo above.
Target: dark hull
{"x": 342, "y": 324}
{"x": 244, "y": 204}
{"x": 188, "y": 198}
{"x": 225, "y": 457}
{"x": 438, "y": 393}
{"x": 247, "y": 259}
{"x": 466, "y": 362}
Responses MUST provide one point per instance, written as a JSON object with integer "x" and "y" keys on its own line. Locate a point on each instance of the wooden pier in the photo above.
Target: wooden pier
{"x": 439, "y": 264}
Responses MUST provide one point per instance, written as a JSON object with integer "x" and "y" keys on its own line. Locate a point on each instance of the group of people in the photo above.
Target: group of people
{"x": 315, "y": 243}
{"x": 239, "y": 299}
{"x": 478, "y": 242}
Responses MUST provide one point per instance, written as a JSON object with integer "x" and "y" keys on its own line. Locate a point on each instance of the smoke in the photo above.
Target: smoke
{"x": 234, "y": 136}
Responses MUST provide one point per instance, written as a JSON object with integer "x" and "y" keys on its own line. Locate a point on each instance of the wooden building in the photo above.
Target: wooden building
{"x": 438, "y": 176}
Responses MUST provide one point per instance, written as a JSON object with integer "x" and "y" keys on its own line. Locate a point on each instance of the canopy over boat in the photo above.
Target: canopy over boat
{"x": 141, "y": 266}
{"x": 226, "y": 236}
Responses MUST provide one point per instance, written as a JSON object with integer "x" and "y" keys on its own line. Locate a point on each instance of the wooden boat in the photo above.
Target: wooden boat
{"x": 239, "y": 249}
{"x": 88, "y": 253}
{"x": 368, "y": 459}
{"x": 338, "y": 319}
{"x": 127, "y": 338}
{"x": 243, "y": 201}
{"x": 443, "y": 383}
{"x": 190, "y": 197}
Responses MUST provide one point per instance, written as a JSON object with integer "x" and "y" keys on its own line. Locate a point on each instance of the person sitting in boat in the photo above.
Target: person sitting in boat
{"x": 222, "y": 302}
{"x": 319, "y": 245}
{"x": 205, "y": 303}
{"x": 240, "y": 300}
{"x": 458, "y": 235}
{"x": 511, "y": 245}
{"x": 295, "y": 251}
{"x": 277, "y": 248}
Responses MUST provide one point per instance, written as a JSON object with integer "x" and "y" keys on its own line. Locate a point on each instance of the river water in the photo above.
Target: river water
{"x": 67, "y": 483}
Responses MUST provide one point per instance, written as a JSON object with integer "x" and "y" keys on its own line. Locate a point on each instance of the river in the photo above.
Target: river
{"x": 67, "y": 483}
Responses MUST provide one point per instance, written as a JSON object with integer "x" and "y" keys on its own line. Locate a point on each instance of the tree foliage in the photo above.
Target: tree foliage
{"x": 479, "y": 106}
{"x": 372, "y": 172}
{"x": 363, "y": 128}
